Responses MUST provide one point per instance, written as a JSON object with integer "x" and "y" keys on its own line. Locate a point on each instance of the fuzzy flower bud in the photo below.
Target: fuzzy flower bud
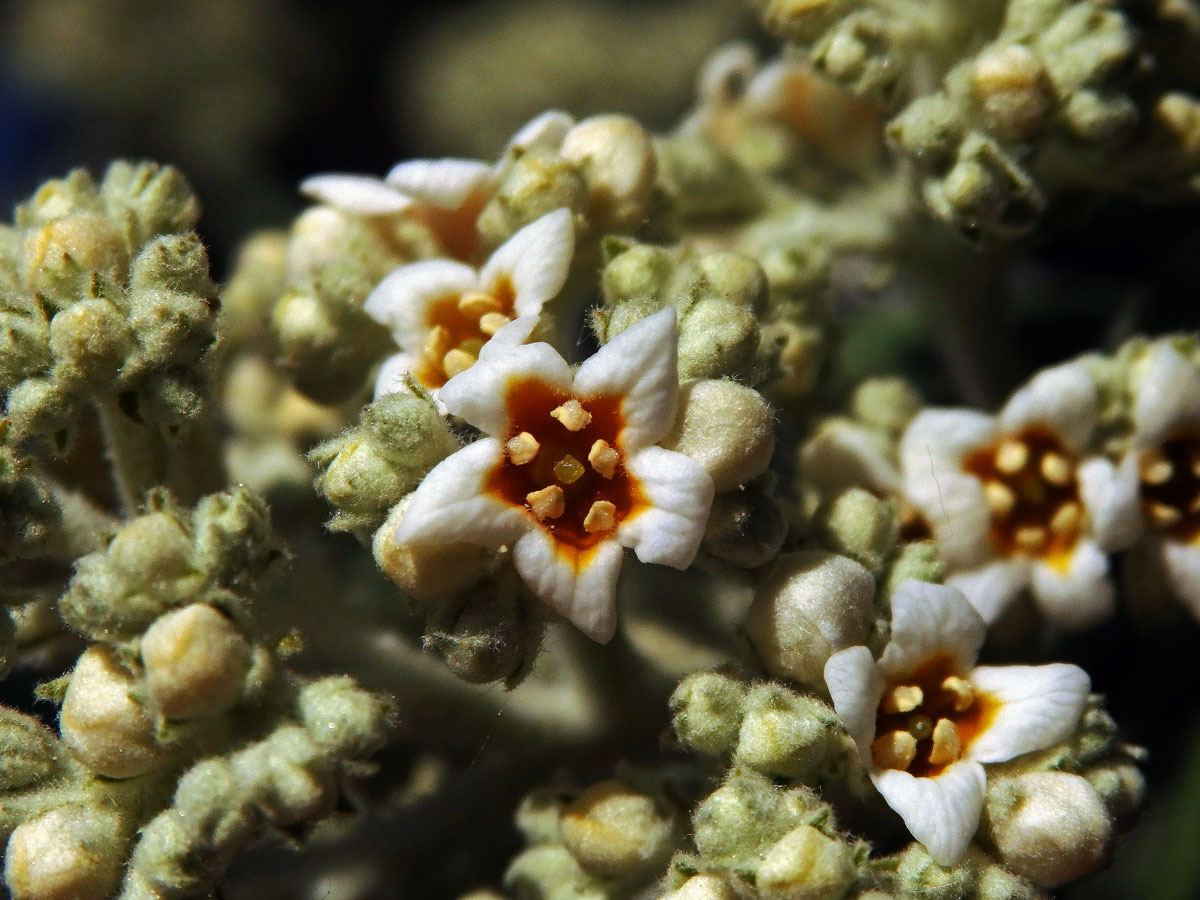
{"x": 615, "y": 830}
{"x": 701, "y": 887}
{"x": 340, "y": 716}
{"x": 707, "y": 711}
{"x": 745, "y": 527}
{"x": 739, "y": 820}
{"x": 1013, "y": 91}
{"x": 155, "y": 199}
{"x": 291, "y": 779}
{"x": 488, "y": 633}
{"x": 28, "y": 751}
{"x": 727, "y": 428}
{"x": 70, "y": 853}
{"x": 615, "y": 156}
{"x": 859, "y": 525}
{"x": 805, "y": 864}
{"x": 61, "y": 257}
{"x": 90, "y": 341}
{"x": 538, "y": 183}
{"x": 426, "y": 572}
{"x": 888, "y": 404}
{"x": 787, "y": 734}
{"x": 196, "y": 660}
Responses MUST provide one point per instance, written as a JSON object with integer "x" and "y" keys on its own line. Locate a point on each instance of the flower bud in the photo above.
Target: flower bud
{"x": 1122, "y": 787}
{"x": 172, "y": 300}
{"x": 1013, "y": 91}
{"x": 787, "y": 734}
{"x": 61, "y": 257}
{"x": 717, "y": 339}
{"x": 232, "y": 536}
{"x": 319, "y": 236}
{"x": 159, "y": 197}
{"x": 917, "y": 875}
{"x": 887, "y": 404}
{"x": 28, "y": 751}
{"x": 196, "y": 661}
{"x": 257, "y": 281}
{"x": 859, "y": 525}
{"x": 616, "y": 159}
{"x": 340, "y": 716}
{"x": 615, "y": 831}
{"x": 919, "y": 561}
{"x": 489, "y": 633}
{"x": 811, "y": 605}
{"x": 90, "y": 340}
{"x": 42, "y": 406}
{"x": 538, "y": 183}
{"x": 70, "y": 853}
{"x": 706, "y": 711}
{"x": 701, "y": 887}
{"x": 985, "y": 192}
{"x": 289, "y": 776}
{"x": 426, "y": 572}
{"x": 703, "y": 181}
{"x": 24, "y": 343}
{"x": 805, "y": 864}
{"x": 103, "y": 725}
{"x": 736, "y": 823}
{"x": 726, "y": 427}
{"x": 548, "y": 870}
{"x": 745, "y": 527}
{"x": 1049, "y": 827}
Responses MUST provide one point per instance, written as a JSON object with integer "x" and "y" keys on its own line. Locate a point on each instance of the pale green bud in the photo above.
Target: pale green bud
{"x": 29, "y": 753}
{"x": 917, "y": 875}
{"x": 639, "y": 271}
{"x": 172, "y": 301}
{"x": 1085, "y": 45}
{"x": 806, "y": 864}
{"x": 157, "y": 199}
{"x": 1012, "y": 89}
{"x": 736, "y": 823}
{"x": 24, "y": 341}
{"x": 701, "y": 887}
{"x": 426, "y": 572}
{"x": 929, "y": 129}
{"x": 102, "y": 723}
{"x": 997, "y": 883}
{"x": 745, "y": 527}
{"x": 233, "y": 541}
{"x": 736, "y": 278}
{"x": 919, "y": 561}
{"x": 706, "y": 710}
{"x": 615, "y": 156}
{"x": 196, "y": 661}
{"x": 291, "y": 778}
{"x": 857, "y": 524}
{"x": 787, "y": 734}
{"x": 538, "y": 183}
{"x": 705, "y": 182}
{"x": 616, "y": 831}
{"x": 90, "y": 341}
{"x": 1049, "y": 827}
{"x": 856, "y": 52}
{"x": 812, "y": 604}
{"x": 986, "y": 192}
{"x": 888, "y": 404}
{"x": 341, "y": 717}
{"x": 726, "y": 427}
{"x": 717, "y": 339}
{"x": 1122, "y": 787}
{"x": 549, "y": 872}
{"x": 43, "y": 406}
{"x": 1098, "y": 117}
{"x": 794, "y": 355}
{"x": 257, "y": 281}
{"x": 70, "y": 853}
{"x": 61, "y": 257}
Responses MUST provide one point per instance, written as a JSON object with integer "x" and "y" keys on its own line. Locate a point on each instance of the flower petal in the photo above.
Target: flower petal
{"x": 361, "y": 195}
{"x": 930, "y": 620}
{"x": 640, "y": 363}
{"x": 1079, "y": 596}
{"x": 479, "y": 395}
{"x": 582, "y": 588}
{"x": 450, "y": 504}
{"x": 1110, "y": 494}
{"x": 1039, "y": 705}
{"x": 536, "y": 259}
{"x": 390, "y": 379}
{"x": 856, "y": 688}
{"x": 441, "y": 182}
{"x": 680, "y": 493}
{"x": 726, "y": 73}
{"x": 515, "y": 333}
{"x": 403, "y": 299}
{"x": 545, "y": 131}
{"x": 990, "y": 588}
{"x": 1168, "y": 397}
{"x": 1181, "y": 563}
{"x": 1062, "y": 398}
{"x": 941, "y": 812}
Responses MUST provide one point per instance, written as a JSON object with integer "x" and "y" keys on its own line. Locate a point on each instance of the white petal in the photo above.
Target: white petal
{"x": 1168, "y": 397}
{"x": 727, "y": 72}
{"x": 856, "y": 688}
{"x": 941, "y": 812}
{"x": 1110, "y": 494}
{"x": 391, "y": 378}
{"x": 544, "y": 131}
{"x": 450, "y": 506}
{"x": 536, "y": 259}
{"x": 515, "y": 333}
{"x": 1079, "y": 597}
{"x": 640, "y": 363}
{"x": 941, "y": 438}
{"x": 583, "y": 590}
{"x": 1062, "y": 398}
{"x": 358, "y": 194}
{"x": 990, "y": 588}
{"x": 1039, "y": 705}
{"x": 843, "y": 454}
{"x": 929, "y": 620}
{"x": 680, "y": 494}
{"x": 1181, "y": 564}
{"x": 441, "y": 182}
{"x": 403, "y": 299}
{"x": 479, "y": 395}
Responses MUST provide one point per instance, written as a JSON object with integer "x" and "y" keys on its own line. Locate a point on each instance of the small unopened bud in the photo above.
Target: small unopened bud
{"x": 489, "y": 633}
{"x": 859, "y": 525}
{"x": 290, "y": 776}
{"x": 726, "y": 427}
{"x": 717, "y": 340}
{"x": 707, "y": 711}
{"x": 70, "y": 853}
{"x": 888, "y": 404}
{"x": 60, "y": 255}
{"x": 91, "y": 340}
{"x": 701, "y": 887}
{"x": 785, "y": 733}
{"x": 196, "y": 660}
{"x": 745, "y": 527}
{"x": 28, "y": 751}
{"x": 614, "y": 830}
{"x": 342, "y": 717}
{"x": 616, "y": 158}
{"x": 1013, "y": 91}
{"x": 426, "y": 572}
{"x": 739, "y": 820}
{"x": 805, "y": 864}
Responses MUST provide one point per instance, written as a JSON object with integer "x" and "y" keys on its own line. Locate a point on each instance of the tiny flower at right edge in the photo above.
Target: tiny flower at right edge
{"x": 925, "y": 718}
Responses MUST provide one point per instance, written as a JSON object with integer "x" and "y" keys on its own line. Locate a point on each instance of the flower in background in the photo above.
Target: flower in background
{"x": 568, "y": 474}
{"x": 1015, "y": 501}
{"x": 442, "y": 312}
{"x": 925, "y": 718}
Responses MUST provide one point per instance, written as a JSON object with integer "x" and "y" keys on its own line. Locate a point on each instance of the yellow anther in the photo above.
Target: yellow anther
{"x": 1164, "y": 516}
{"x": 457, "y": 361}
{"x": 437, "y": 342}
{"x": 600, "y": 518}
{"x": 548, "y": 503}
{"x": 477, "y": 304}
{"x": 1056, "y": 469}
{"x": 490, "y": 323}
{"x": 568, "y": 470}
{"x": 1000, "y": 498}
{"x": 1030, "y": 537}
{"x": 603, "y": 458}
{"x": 894, "y": 750}
{"x": 572, "y": 415}
{"x": 947, "y": 746}
{"x": 901, "y": 699}
{"x": 522, "y": 448}
{"x": 1011, "y": 456}
{"x": 962, "y": 691}
{"x": 1066, "y": 518}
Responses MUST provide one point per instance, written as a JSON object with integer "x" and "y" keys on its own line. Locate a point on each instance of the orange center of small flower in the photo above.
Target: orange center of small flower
{"x": 1170, "y": 486}
{"x": 458, "y": 329}
{"x": 927, "y": 721}
{"x": 563, "y": 462}
{"x": 1032, "y": 493}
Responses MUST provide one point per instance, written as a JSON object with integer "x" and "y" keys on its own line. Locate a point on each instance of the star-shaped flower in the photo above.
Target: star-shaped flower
{"x": 1014, "y": 500}
{"x": 445, "y": 195}
{"x": 441, "y": 312}
{"x": 925, "y": 719}
{"x": 568, "y": 473}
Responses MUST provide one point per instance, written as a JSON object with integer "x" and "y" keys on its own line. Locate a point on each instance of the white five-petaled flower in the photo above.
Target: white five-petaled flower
{"x": 1014, "y": 501}
{"x": 925, "y": 719}
{"x": 446, "y": 195}
{"x": 442, "y": 312}
{"x": 568, "y": 473}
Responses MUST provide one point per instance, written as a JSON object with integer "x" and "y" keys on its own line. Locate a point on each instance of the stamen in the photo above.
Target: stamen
{"x": 603, "y": 458}
{"x": 894, "y": 750}
{"x": 568, "y": 470}
{"x": 548, "y": 503}
{"x": 1011, "y": 456}
{"x": 947, "y": 746}
{"x": 1056, "y": 469}
{"x": 437, "y": 342}
{"x": 1164, "y": 516}
{"x": 1066, "y": 518}
{"x": 1155, "y": 469}
{"x": 600, "y": 518}
{"x": 920, "y": 727}
{"x": 572, "y": 415}
{"x": 476, "y": 304}
{"x": 1000, "y": 498}
{"x": 457, "y": 361}
{"x": 490, "y": 323}
{"x": 901, "y": 699}
{"x": 961, "y": 689}
{"x": 522, "y": 448}
{"x": 1030, "y": 537}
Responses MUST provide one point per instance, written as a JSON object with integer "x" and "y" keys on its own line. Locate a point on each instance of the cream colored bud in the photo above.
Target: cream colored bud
{"x": 196, "y": 661}
{"x": 426, "y": 572}
{"x": 319, "y": 236}
{"x": 69, "y": 853}
{"x": 1013, "y": 91}
{"x": 805, "y": 864}
{"x": 786, "y": 733}
{"x": 701, "y": 887}
{"x": 614, "y": 830}
{"x": 726, "y": 427}
{"x": 77, "y": 244}
{"x": 615, "y": 155}
{"x": 104, "y": 726}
